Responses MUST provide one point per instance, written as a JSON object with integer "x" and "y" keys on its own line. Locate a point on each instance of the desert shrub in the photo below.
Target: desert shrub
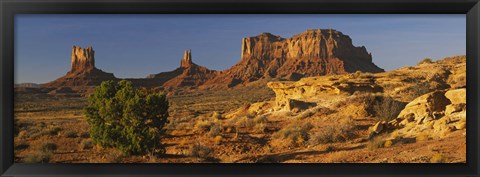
{"x": 376, "y": 143}
{"x": 16, "y": 127}
{"x": 260, "y": 119}
{"x": 360, "y": 74}
{"x": 260, "y": 128}
{"x": 114, "y": 156}
{"x": 21, "y": 146}
{"x": 122, "y": 117}
{"x": 203, "y": 125}
{"x": 245, "y": 122}
{"x": 215, "y": 130}
{"x": 71, "y": 135}
{"x": 438, "y": 158}
{"x": 386, "y": 108}
{"x": 217, "y": 140}
{"x": 419, "y": 90}
{"x": 422, "y": 137}
{"x": 343, "y": 131}
{"x": 297, "y": 133}
{"x": 86, "y": 144}
{"x": 53, "y": 130}
{"x": 425, "y": 60}
{"x": 38, "y": 157}
{"x": 48, "y": 147}
{"x": 84, "y": 135}
{"x": 201, "y": 151}
{"x": 388, "y": 143}
{"x": 216, "y": 115}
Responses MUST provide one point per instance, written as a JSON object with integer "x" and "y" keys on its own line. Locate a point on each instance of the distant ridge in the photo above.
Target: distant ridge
{"x": 311, "y": 53}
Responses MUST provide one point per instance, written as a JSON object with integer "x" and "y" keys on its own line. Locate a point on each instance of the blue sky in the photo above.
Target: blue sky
{"x": 133, "y": 46}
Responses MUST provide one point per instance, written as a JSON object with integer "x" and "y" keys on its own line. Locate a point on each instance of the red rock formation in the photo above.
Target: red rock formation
{"x": 188, "y": 74}
{"x": 187, "y": 59}
{"x": 82, "y": 59}
{"x": 311, "y": 53}
{"x": 83, "y": 71}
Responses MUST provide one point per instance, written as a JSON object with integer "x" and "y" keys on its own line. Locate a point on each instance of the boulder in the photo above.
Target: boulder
{"x": 427, "y": 106}
{"x": 457, "y": 96}
{"x": 453, "y": 108}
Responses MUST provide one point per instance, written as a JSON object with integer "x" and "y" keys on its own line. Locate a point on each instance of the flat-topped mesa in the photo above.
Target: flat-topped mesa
{"x": 82, "y": 59}
{"x": 187, "y": 59}
{"x": 310, "y": 53}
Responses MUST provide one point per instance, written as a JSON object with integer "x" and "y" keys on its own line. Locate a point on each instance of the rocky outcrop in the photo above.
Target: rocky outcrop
{"x": 311, "y": 89}
{"x": 83, "y": 71}
{"x": 435, "y": 114}
{"x": 311, "y": 53}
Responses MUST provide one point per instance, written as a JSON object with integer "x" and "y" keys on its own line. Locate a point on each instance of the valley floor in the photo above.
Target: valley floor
{"x": 58, "y": 121}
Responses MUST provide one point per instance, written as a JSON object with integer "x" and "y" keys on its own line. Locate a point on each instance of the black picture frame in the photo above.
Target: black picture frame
{"x": 9, "y": 8}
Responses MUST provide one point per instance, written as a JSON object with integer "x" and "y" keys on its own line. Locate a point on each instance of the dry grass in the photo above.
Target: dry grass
{"x": 86, "y": 144}
{"x": 332, "y": 133}
{"x": 114, "y": 156}
{"x": 38, "y": 157}
{"x": 387, "y": 109}
{"x": 438, "y": 158}
{"x": 200, "y": 151}
{"x": 422, "y": 137}
{"x": 296, "y": 134}
{"x": 375, "y": 143}
{"x": 425, "y": 60}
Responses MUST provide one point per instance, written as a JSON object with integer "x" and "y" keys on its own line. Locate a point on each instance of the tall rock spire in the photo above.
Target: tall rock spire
{"x": 187, "y": 59}
{"x": 82, "y": 59}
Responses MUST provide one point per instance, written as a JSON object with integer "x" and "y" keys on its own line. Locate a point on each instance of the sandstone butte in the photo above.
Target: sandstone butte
{"x": 311, "y": 53}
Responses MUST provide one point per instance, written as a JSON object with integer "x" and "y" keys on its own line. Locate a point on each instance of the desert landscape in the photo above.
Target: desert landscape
{"x": 310, "y": 98}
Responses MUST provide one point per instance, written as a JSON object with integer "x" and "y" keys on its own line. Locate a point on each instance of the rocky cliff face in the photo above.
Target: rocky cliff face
{"x": 311, "y": 53}
{"x": 187, "y": 59}
{"x": 83, "y": 59}
{"x": 83, "y": 71}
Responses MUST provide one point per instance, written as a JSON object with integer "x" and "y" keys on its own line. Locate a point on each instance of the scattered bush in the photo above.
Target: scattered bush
{"x": 297, "y": 133}
{"x": 388, "y": 143}
{"x": 71, "y": 135}
{"x": 375, "y": 143}
{"x": 21, "y": 146}
{"x": 422, "y": 137}
{"x": 114, "y": 156}
{"x": 215, "y": 130}
{"x": 200, "y": 151}
{"x": 419, "y": 90}
{"x": 38, "y": 157}
{"x": 386, "y": 108}
{"x": 341, "y": 132}
{"x": 425, "y": 60}
{"x": 86, "y": 144}
{"x": 85, "y": 135}
{"x": 48, "y": 147}
{"x": 203, "y": 125}
{"x": 245, "y": 122}
{"x": 54, "y": 131}
{"x": 217, "y": 140}
{"x": 260, "y": 119}
{"x": 123, "y": 117}
{"x": 438, "y": 158}
{"x": 260, "y": 128}
{"x": 216, "y": 115}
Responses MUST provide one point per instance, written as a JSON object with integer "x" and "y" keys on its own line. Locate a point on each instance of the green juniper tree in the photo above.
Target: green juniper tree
{"x": 125, "y": 118}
